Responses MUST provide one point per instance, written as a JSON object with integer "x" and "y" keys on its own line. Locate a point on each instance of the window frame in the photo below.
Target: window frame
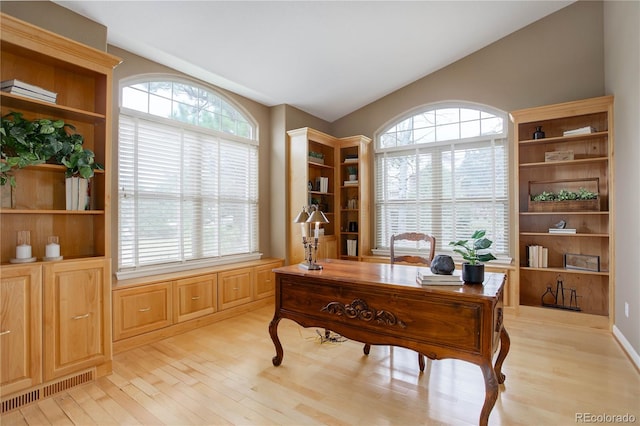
{"x": 191, "y": 130}
{"x": 381, "y": 243}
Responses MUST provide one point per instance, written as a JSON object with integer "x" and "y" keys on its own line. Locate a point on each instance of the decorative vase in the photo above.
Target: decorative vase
{"x": 442, "y": 264}
{"x": 538, "y": 134}
{"x": 473, "y": 274}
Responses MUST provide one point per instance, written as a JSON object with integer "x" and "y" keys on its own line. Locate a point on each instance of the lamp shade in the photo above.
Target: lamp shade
{"x": 317, "y": 217}
{"x": 302, "y": 216}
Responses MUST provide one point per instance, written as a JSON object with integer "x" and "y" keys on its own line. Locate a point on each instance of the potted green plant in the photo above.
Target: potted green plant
{"x": 25, "y": 143}
{"x": 473, "y": 251}
{"x": 352, "y": 171}
{"x": 28, "y": 142}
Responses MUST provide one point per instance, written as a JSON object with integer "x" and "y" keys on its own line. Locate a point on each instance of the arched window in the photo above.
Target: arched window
{"x": 443, "y": 169}
{"x": 187, "y": 178}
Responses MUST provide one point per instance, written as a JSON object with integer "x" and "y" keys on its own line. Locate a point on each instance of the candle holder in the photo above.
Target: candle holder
{"x": 52, "y": 249}
{"x": 305, "y": 219}
{"x": 23, "y": 248}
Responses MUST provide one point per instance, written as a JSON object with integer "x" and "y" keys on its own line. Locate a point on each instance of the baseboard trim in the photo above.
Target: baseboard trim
{"x": 626, "y": 346}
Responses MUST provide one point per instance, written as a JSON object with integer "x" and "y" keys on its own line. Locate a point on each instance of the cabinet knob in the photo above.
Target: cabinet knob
{"x": 2, "y": 333}
{"x": 77, "y": 317}
{"x": 144, "y": 310}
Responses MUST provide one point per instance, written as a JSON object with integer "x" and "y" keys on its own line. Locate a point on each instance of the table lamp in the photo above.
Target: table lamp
{"x": 310, "y": 215}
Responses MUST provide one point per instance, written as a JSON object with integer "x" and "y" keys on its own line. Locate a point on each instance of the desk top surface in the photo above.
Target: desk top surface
{"x": 397, "y": 275}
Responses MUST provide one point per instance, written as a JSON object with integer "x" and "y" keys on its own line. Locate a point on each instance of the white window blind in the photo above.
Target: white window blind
{"x": 185, "y": 194}
{"x": 443, "y": 171}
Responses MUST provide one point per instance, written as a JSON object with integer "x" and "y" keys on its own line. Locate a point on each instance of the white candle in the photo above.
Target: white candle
{"x": 52, "y": 250}
{"x": 304, "y": 230}
{"x": 317, "y": 231}
{"x": 23, "y": 251}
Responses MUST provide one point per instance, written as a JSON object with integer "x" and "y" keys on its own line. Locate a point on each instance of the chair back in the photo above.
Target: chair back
{"x": 413, "y": 236}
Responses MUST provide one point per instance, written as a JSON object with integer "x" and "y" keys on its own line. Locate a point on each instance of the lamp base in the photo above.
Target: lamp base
{"x": 310, "y": 266}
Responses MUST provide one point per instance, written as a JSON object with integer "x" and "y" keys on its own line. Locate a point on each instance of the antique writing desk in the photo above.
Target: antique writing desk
{"x": 382, "y": 304}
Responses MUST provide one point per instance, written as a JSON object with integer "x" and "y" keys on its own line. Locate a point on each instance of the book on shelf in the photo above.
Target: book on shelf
{"x": 352, "y": 247}
{"x": 78, "y": 194}
{"x": 426, "y": 277}
{"x": 562, "y": 230}
{"x": 29, "y": 94}
{"x": 25, "y": 89}
{"x": 351, "y": 160}
{"x": 537, "y": 256}
{"x": 350, "y": 183}
{"x": 322, "y": 184}
{"x": 581, "y": 131}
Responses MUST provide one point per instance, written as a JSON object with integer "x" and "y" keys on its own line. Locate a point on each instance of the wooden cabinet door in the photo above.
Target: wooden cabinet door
{"x": 327, "y": 248}
{"x": 194, "y": 297}
{"x": 266, "y": 280}
{"x": 234, "y": 287}
{"x": 141, "y": 309}
{"x": 20, "y": 328}
{"x": 77, "y": 316}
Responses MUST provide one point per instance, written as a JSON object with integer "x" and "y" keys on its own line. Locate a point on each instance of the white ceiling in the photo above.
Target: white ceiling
{"x": 327, "y": 58}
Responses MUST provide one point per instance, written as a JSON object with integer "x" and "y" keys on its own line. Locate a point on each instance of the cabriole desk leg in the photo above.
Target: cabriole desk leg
{"x": 491, "y": 392}
{"x": 505, "y": 343}
{"x": 273, "y": 331}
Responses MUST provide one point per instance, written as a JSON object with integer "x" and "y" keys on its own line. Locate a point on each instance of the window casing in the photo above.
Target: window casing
{"x": 187, "y": 179}
{"x": 443, "y": 170}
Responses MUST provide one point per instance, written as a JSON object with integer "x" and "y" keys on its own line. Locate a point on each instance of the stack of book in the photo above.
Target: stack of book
{"x": 322, "y": 184}
{"x": 537, "y": 256}
{"x": 426, "y": 277}
{"x": 352, "y": 247}
{"x": 27, "y": 90}
{"x": 562, "y": 230}
{"x": 351, "y": 158}
{"x": 350, "y": 183}
{"x": 581, "y": 131}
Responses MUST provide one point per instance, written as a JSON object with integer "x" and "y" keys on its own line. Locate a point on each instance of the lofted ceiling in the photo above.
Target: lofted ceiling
{"x": 327, "y": 58}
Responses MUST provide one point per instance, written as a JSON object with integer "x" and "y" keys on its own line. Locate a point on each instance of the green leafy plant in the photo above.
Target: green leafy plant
{"x": 316, "y": 154}
{"x": 26, "y": 142}
{"x": 564, "y": 195}
{"x": 80, "y": 162}
{"x": 474, "y": 250}
{"x": 352, "y": 170}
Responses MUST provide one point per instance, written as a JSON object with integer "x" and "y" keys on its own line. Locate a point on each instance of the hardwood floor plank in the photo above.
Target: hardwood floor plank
{"x": 53, "y": 412}
{"x": 81, "y": 395}
{"x": 222, "y": 374}
{"x": 137, "y": 411}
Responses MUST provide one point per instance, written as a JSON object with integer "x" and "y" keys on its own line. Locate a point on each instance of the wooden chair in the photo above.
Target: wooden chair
{"x": 423, "y": 260}
{"x": 413, "y": 236}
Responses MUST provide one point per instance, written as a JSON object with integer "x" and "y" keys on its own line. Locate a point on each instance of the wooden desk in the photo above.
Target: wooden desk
{"x": 382, "y": 304}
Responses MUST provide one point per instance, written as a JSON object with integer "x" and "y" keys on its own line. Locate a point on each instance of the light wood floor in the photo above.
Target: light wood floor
{"x": 222, "y": 374}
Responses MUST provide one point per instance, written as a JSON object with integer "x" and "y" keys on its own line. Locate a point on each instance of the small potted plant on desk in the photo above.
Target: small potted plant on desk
{"x": 473, "y": 252}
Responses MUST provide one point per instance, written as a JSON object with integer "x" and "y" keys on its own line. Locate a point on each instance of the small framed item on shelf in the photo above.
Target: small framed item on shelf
{"x": 584, "y": 262}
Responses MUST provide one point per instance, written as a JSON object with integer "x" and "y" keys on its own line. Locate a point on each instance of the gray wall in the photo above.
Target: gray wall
{"x": 556, "y": 59}
{"x": 284, "y": 118}
{"x": 52, "y": 17}
{"x": 622, "y": 71}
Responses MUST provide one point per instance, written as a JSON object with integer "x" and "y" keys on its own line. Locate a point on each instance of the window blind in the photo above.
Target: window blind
{"x": 447, "y": 186}
{"x": 184, "y": 194}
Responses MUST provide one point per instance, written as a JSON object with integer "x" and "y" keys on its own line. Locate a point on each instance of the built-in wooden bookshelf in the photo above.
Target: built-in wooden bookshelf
{"x": 65, "y": 304}
{"x": 588, "y": 292}
{"x": 314, "y": 155}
